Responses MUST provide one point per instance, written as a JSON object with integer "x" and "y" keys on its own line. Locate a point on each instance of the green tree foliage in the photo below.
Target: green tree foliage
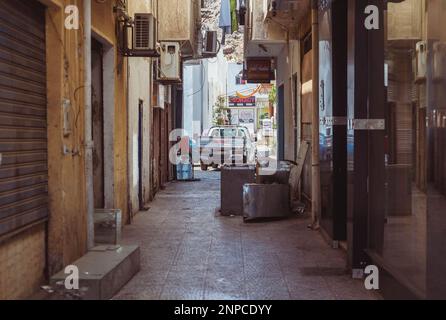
{"x": 221, "y": 112}
{"x": 273, "y": 95}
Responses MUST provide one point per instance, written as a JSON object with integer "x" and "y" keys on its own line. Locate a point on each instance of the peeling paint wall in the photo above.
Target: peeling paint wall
{"x": 66, "y": 231}
{"x": 178, "y": 20}
{"x": 140, "y": 87}
{"x": 67, "y": 225}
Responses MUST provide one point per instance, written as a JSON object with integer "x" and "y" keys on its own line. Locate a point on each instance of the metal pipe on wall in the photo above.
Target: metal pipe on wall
{"x": 88, "y": 144}
{"x": 315, "y": 164}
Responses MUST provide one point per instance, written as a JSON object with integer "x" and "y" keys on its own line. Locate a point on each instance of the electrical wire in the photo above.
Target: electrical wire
{"x": 203, "y": 71}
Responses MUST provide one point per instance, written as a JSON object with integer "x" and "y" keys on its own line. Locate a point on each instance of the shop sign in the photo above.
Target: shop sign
{"x": 235, "y": 101}
{"x": 259, "y": 70}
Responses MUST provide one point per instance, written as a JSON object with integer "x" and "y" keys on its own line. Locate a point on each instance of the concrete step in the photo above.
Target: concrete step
{"x": 103, "y": 271}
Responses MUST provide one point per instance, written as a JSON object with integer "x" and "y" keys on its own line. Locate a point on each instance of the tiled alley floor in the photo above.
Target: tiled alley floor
{"x": 189, "y": 252}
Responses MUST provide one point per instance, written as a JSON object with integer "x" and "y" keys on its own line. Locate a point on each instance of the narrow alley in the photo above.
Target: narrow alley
{"x": 227, "y": 150}
{"x": 189, "y": 252}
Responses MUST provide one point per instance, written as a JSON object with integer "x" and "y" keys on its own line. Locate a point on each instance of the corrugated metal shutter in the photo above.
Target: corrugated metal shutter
{"x": 404, "y": 133}
{"x": 23, "y": 123}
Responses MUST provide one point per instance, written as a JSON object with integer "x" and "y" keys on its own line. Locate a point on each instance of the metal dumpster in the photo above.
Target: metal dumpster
{"x": 232, "y": 180}
{"x": 280, "y": 175}
{"x": 266, "y": 201}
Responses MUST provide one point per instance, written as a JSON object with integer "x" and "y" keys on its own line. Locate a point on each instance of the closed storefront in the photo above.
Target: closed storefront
{"x": 396, "y": 147}
{"x": 23, "y": 123}
{"x": 23, "y": 148}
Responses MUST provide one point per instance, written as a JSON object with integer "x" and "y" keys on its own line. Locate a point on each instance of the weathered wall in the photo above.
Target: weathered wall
{"x": 195, "y": 87}
{"x": 140, "y": 84}
{"x": 103, "y": 23}
{"x": 66, "y": 172}
{"x": 67, "y": 176}
{"x": 261, "y": 29}
{"x": 176, "y": 20}
{"x": 18, "y": 280}
{"x": 24, "y": 257}
{"x": 217, "y": 79}
{"x": 288, "y": 64}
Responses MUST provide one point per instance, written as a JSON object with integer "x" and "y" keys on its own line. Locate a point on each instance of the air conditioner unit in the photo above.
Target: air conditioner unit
{"x": 210, "y": 45}
{"x": 439, "y": 60}
{"x": 144, "y": 33}
{"x": 169, "y": 63}
{"x": 137, "y": 37}
{"x": 421, "y": 70}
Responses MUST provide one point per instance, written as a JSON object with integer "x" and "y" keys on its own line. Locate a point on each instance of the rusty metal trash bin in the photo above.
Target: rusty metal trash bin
{"x": 275, "y": 174}
{"x": 266, "y": 201}
{"x": 232, "y": 180}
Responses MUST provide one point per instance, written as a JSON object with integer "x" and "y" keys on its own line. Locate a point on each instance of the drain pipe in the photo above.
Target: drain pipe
{"x": 88, "y": 143}
{"x": 315, "y": 165}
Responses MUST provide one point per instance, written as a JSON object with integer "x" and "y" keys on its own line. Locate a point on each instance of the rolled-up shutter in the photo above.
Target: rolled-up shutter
{"x": 23, "y": 121}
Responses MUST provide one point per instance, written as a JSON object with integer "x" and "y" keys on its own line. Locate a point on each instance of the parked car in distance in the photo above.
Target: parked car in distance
{"x": 222, "y": 145}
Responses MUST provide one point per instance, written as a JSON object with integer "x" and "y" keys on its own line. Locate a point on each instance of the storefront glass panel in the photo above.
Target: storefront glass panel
{"x": 414, "y": 227}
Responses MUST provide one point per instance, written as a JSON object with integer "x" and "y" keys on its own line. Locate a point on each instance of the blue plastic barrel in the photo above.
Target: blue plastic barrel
{"x": 185, "y": 171}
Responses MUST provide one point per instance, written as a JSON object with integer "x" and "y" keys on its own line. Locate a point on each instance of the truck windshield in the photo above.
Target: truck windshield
{"x": 229, "y": 133}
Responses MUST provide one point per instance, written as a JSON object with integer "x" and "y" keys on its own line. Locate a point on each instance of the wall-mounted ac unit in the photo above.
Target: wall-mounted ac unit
{"x": 210, "y": 44}
{"x": 169, "y": 69}
{"x": 439, "y": 60}
{"x": 138, "y": 36}
{"x": 144, "y": 34}
{"x": 421, "y": 70}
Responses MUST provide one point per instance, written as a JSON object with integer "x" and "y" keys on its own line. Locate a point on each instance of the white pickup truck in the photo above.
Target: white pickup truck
{"x": 226, "y": 145}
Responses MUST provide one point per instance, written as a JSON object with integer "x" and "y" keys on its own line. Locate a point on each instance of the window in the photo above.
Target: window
{"x": 215, "y": 133}
{"x": 229, "y": 133}
{"x": 415, "y": 174}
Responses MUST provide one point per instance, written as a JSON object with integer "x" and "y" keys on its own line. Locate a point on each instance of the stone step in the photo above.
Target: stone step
{"x": 103, "y": 271}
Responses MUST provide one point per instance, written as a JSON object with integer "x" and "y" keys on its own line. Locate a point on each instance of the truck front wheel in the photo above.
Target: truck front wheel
{"x": 204, "y": 167}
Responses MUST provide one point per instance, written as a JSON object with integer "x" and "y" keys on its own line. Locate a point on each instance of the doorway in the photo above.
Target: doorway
{"x": 97, "y": 99}
{"x": 140, "y": 154}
